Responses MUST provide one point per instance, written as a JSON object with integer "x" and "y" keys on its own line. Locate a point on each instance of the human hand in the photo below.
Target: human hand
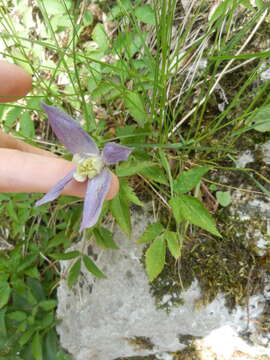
{"x": 25, "y": 168}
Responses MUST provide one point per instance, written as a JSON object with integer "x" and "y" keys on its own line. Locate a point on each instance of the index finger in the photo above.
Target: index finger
{"x": 15, "y": 82}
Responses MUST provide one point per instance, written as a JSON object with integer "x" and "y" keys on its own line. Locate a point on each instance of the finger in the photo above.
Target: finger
{"x": 9, "y": 141}
{"x": 32, "y": 173}
{"x": 15, "y": 82}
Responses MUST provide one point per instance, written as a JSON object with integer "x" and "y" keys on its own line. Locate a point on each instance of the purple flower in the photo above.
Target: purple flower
{"x": 91, "y": 164}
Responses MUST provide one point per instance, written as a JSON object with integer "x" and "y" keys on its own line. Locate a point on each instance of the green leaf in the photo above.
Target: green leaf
{"x": 155, "y": 173}
{"x": 224, "y": 198}
{"x": 47, "y": 320}
{"x": 37, "y": 347}
{"x": 47, "y": 305}
{"x": 66, "y": 256}
{"x": 129, "y": 192}
{"x": 259, "y": 4}
{"x": 27, "y": 262}
{"x": 150, "y": 233}
{"x": 57, "y": 239}
{"x": 260, "y": 119}
{"x": 17, "y": 316}
{"x": 51, "y": 345}
{"x": 129, "y": 43}
{"x": 54, "y": 7}
{"x": 26, "y": 336}
{"x": 173, "y": 243}
{"x": 176, "y": 210}
{"x": 104, "y": 238}
{"x": 3, "y": 329}
{"x": 155, "y": 258}
{"x": 145, "y": 14}
{"x": 247, "y": 4}
{"x": 32, "y": 272}
{"x": 120, "y": 210}
{"x": 105, "y": 91}
{"x": 27, "y": 127}
{"x": 92, "y": 268}
{"x": 5, "y": 293}
{"x": 36, "y": 289}
{"x": 193, "y": 211}
{"x": 219, "y": 11}
{"x": 10, "y": 117}
{"x": 88, "y": 18}
{"x": 134, "y": 103}
{"x": 132, "y": 167}
{"x": 189, "y": 179}
{"x": 11, "y": 212}
{"x": 74, "y": 273}
{"x": 100, "y": 37}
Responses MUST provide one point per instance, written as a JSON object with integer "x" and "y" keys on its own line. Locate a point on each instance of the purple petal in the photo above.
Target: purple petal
{"x": 113, "y": 153}
{"x": 96, "y": 192}
{"x": 69, "y": 132}
{"x": 56, "y": 190}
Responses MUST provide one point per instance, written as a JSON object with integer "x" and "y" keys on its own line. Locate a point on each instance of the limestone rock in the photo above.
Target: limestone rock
{"x": 118, "y": 317}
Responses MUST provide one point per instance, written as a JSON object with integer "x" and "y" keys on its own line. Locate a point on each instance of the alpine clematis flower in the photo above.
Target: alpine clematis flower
{"x": 91, "y": 164}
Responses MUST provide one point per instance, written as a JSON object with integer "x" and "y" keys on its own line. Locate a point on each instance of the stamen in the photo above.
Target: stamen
{"x": 87, "y": 167}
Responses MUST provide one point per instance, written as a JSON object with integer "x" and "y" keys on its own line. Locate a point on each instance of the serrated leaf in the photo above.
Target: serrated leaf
{"x": 11, "y": 116}
{"x": 134, "y": 103}
{"x": 155, "y": 173}
{"x": 132, "y": 167}
{"x": 145, "y": 14}
{"x": 155, "y": 258}
{"x": 120, "y": 210}
{"x": 5, "y": 293}
{"x": 92, "y": 268}
{"x": 260, "y": 119}
{"x": 129, "y": 193}
{"x": 66, "y": 256}
{"x": 173, "y": 243}
{"x": 104, "y": 238}
{"x": 37, "y": 347}
{"x": 224, "y": 198}
{"x": 105, "y": 91}
{"x": 74, "y": 273}
{"x": 27, "y": 127}
{"x": 150, "y": 233}
{"x": 100, "y": 37}
{"x": 189, "y": 179}
{"x": 176, "y": 209}
{"x": 193, "y": 211}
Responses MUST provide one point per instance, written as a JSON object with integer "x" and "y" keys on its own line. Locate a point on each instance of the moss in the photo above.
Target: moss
{"x": 189, "y": 353}
{"x": 140, "y": 343}
{"x": 230, "y": 265}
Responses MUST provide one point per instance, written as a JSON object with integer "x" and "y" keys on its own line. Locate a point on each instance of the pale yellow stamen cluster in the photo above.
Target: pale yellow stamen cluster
{"x": 87, "y": 167}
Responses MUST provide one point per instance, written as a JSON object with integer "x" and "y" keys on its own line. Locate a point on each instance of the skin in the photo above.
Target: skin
{"x": 25, "y": 168}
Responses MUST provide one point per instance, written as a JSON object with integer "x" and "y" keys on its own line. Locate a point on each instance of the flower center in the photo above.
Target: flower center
{"x": 87, "y": 167}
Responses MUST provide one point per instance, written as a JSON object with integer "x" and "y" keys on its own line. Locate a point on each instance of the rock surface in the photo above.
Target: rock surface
{"x": 118, "y": 317}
